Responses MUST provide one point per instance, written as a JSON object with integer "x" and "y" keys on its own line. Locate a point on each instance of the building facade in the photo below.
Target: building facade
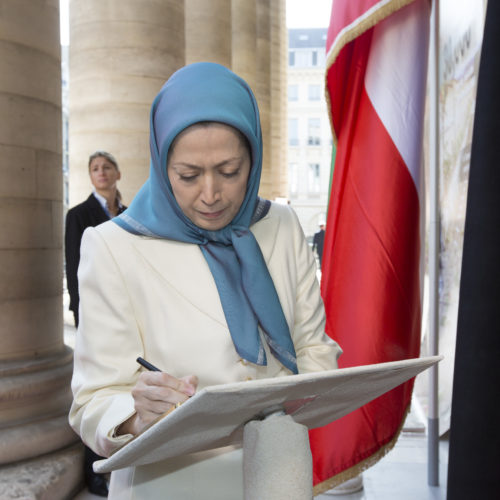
{"x": 309, "y": 134}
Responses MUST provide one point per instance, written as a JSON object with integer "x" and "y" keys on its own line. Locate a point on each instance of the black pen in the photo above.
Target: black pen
{"x": 152, "y": 368}
{"x": 147, "y": 365}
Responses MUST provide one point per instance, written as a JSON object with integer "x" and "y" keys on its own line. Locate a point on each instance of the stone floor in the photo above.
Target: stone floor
{"x": 402, "y": 474}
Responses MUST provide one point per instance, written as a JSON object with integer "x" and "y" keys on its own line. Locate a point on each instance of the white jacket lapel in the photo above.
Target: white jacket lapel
{"x": 182, "y": 264}
{"x": 183, "y": 267}
{"x": 265, "y": 232}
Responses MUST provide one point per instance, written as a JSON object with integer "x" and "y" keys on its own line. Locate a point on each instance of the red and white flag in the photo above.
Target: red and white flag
{"x": 376, "y": 80}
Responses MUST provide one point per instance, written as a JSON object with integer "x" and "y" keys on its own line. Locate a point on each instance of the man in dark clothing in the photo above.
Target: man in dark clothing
{"x": 318, "y": 240}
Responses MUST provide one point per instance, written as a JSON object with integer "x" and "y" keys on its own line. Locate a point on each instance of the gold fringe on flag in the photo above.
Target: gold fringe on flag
{"x": 360, "y": 467}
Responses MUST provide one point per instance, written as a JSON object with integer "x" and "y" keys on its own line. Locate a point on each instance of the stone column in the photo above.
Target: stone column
{"x": 284, "y": 105}
{"x": 279, "y": 55}
{"x": 244, "y": 40}
{"x": 121, "y": 52}
{"x": 259, "y": 53}
{"x": 263, "y": 90}
{"x": 208, "y": 31}
{"x": 35, "y": 365}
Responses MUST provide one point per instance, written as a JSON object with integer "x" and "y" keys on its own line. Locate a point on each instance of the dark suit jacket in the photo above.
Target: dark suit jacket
{"x": 80, "y": 217}
{"x": 318, "y": 241}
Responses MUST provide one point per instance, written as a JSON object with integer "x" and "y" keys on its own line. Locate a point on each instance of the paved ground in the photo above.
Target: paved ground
{"x": 402, "y": 474}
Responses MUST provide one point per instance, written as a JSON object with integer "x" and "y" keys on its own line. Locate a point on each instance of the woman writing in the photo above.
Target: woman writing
{"x": 199, "y": 276}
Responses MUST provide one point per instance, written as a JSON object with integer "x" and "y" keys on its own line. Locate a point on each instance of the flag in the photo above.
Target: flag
{"x": 474, "y": 453}
{"x": 375, "y": 80}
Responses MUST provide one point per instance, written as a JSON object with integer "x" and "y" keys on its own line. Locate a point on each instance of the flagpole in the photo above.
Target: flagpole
{"x": 433, "y": 411}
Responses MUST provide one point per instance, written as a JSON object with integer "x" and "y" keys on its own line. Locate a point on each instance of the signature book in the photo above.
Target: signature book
{"x": 216, "y": 415}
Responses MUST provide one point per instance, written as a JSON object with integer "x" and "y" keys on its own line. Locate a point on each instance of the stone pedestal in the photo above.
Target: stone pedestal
{"x": 277, "y": 461}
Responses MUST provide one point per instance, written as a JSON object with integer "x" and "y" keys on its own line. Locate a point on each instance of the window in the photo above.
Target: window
{"x": 293, "y": 132}
{"x": 293, "y": 92}
{"x": 321, "y": 58}
{"x": 293, "y": 177}
{"x": 314, "y": 132}
{"x": 313, "y": 180}
{"x": 307, "y": 57}
{"x": 303, "y": 59}
{"x": 314, "y": 92}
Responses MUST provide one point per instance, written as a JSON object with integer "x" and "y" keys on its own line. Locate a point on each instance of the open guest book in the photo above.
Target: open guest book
{"x": 216, "y": 415}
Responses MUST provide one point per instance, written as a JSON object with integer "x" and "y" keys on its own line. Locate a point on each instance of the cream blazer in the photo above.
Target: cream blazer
{"x": 154, "y": 298}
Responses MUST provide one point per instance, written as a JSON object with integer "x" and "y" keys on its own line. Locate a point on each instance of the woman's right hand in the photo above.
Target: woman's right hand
{"x": 154, "y": 394}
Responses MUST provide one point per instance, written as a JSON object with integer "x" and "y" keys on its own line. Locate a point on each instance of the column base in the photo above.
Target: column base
{"x": 35, "y": 398}
{"x": 55, "y": 476}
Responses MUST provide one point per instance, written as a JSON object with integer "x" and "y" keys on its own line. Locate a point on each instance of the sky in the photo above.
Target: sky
{"x": 64, "y": 21}
{"x": 299, "y": 14}
{"x": 308, "y": 13}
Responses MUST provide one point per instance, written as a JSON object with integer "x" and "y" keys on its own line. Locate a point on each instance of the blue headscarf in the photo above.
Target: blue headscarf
{"x": 204, "y": 92}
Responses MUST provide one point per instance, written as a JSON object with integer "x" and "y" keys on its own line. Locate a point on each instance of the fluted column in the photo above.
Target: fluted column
{"x": 35, "y": 365}
{"x": 208, "y": 31}
{"x": 121, "y": 52}
{"x": 263, "y": 90}
{"x": 259, "y": 55}
{"x": 244, "y": 40}
{"x": 279, "y": 52}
